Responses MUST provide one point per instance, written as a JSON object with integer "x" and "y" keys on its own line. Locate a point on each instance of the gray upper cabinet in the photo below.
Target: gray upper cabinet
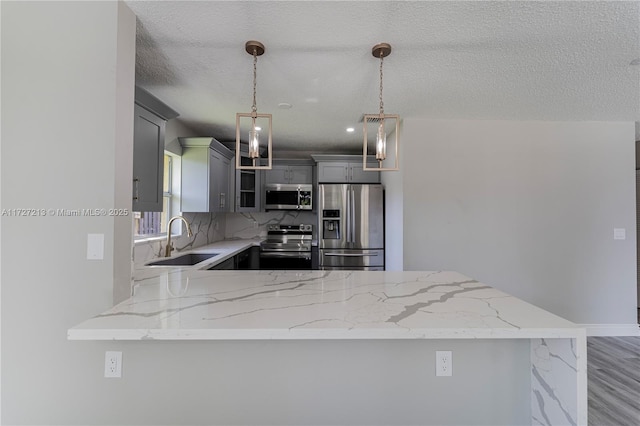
{"x": 282, "y": 173}
{"x": 358, "y": 175}
{"x": 148, "y": 154}
{"x": 344, "y": 169}
{"x": 151, "y": 115}
{"x": 248, "y": 187}
{"x": 205, "y": 183}
{"x": 221, "y": 183}
{"x": 333, "y": 172}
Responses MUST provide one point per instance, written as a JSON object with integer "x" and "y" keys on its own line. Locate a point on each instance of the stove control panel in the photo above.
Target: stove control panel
{"x": 302, "y": 227}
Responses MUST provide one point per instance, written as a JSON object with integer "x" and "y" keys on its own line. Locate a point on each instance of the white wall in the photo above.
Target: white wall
{"x": 394, "y": 213}
{"x": 67, "y": 81}
{"x": 176, "y": 129}
{"x": 123, "y": 153}
{"x": 61, "y": 117}
{"x": 528, "y": 207}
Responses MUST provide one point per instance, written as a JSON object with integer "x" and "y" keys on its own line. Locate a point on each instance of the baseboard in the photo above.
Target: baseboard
{"x": 612, "y": 329}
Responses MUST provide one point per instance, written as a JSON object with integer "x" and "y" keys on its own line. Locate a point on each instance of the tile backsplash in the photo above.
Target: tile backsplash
{"x": 254, "y": 225}
{"x": 207, "y": 228}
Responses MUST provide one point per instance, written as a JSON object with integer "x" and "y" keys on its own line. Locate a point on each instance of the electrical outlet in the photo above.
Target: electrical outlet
{"x": 112, "y": 364}
{"x": 444, "y": 363}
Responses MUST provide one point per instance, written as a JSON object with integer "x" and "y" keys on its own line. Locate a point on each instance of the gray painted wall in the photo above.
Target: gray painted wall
{"x": 66, "y": 130}
{"x": 176, "y": 129}
{"x": 59, "y": 89}
{"x": 123, "y": 154}
{"x": 528, "y": 207}
{"x": 393, "y": 213}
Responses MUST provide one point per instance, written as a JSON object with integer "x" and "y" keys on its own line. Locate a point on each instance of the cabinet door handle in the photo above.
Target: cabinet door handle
{"x": 346, "y": 174}
{"x": 222, "y": 200}
{"x": 135, "y": 185}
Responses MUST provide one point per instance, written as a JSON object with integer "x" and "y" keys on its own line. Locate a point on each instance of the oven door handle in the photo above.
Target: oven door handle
{"x": 352, "y": 254}
{"x": 296, "y": 255}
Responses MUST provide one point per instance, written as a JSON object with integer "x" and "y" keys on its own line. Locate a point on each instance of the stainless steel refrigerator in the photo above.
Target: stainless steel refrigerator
{"x": 351, "y": 226}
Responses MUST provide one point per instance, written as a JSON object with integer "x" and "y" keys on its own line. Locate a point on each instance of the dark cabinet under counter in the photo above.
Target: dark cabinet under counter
{"x": 245, "y": 260}
{"x": 252, "y": 259}
{"x": 248, "y": 259}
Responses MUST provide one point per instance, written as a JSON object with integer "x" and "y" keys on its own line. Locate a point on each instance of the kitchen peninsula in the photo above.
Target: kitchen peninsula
{"x": 195, "y": 304}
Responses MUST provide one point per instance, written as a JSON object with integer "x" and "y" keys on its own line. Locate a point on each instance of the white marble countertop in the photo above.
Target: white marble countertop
{"x": 193, "y": 304}
{"x": 224, "y": 248}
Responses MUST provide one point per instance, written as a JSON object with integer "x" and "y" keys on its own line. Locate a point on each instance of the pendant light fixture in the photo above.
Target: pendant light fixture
{"x": 383, "y": 124}
{"x": 254, "y": 48}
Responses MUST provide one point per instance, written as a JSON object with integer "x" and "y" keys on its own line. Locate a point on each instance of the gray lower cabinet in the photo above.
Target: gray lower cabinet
{"x": 148, "y": 165}
{"x": 345, "y": 172}
{"x": 206, "y": 184}
{"x": 289, "y": 174}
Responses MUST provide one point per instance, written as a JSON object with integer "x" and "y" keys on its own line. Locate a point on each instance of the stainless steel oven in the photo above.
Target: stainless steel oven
{"x": 280, "y": 196}
{"x": 287, "y": 247}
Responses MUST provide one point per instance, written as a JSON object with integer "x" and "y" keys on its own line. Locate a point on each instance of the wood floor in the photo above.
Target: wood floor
{"x": 613, "y": 366}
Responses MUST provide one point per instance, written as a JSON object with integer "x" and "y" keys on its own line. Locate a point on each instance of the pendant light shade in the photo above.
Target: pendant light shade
{"x": 383, "y": 126}
{"x": 252, "y": 124}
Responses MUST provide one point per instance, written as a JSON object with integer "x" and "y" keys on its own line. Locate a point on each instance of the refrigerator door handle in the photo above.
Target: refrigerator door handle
{"x": 353, "y": 216}
{"x": 348, "y": 218}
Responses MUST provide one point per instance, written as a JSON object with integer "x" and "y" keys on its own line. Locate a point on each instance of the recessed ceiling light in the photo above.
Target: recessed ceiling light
{"x": 635, "y": 62}
{"x": 350, "y": 129}
{"x": 284, "y": 105}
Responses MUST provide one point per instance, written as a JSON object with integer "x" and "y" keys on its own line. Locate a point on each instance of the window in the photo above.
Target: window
{"x": 151, "y": 224}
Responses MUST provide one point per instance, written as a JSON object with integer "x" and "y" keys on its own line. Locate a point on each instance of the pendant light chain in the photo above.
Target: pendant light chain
{"x": 252, "y": 149}
{"x": 254, "y": 108}
{"x": 384, "y": 123}
{"x": 381, "y": 102}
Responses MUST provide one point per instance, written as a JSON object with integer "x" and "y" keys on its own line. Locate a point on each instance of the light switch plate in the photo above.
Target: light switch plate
{"x": 619, "y": 234}
{"x": 95, "y": 246}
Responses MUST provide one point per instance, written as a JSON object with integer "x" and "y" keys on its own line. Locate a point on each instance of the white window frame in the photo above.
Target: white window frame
{"x": 170, "y": 201}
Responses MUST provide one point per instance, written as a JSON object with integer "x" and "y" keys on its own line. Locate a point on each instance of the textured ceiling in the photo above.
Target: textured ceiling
{"x": 472, "y": 60}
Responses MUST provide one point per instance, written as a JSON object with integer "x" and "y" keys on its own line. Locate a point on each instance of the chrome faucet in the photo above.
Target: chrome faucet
{"x": 167, "y": 250}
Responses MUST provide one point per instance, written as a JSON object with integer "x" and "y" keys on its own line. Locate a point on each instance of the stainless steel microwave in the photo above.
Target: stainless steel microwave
{"x": 280, "y": 196}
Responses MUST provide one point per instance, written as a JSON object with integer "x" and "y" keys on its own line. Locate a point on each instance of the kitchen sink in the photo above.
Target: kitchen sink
{"x": 184, "y": 260}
